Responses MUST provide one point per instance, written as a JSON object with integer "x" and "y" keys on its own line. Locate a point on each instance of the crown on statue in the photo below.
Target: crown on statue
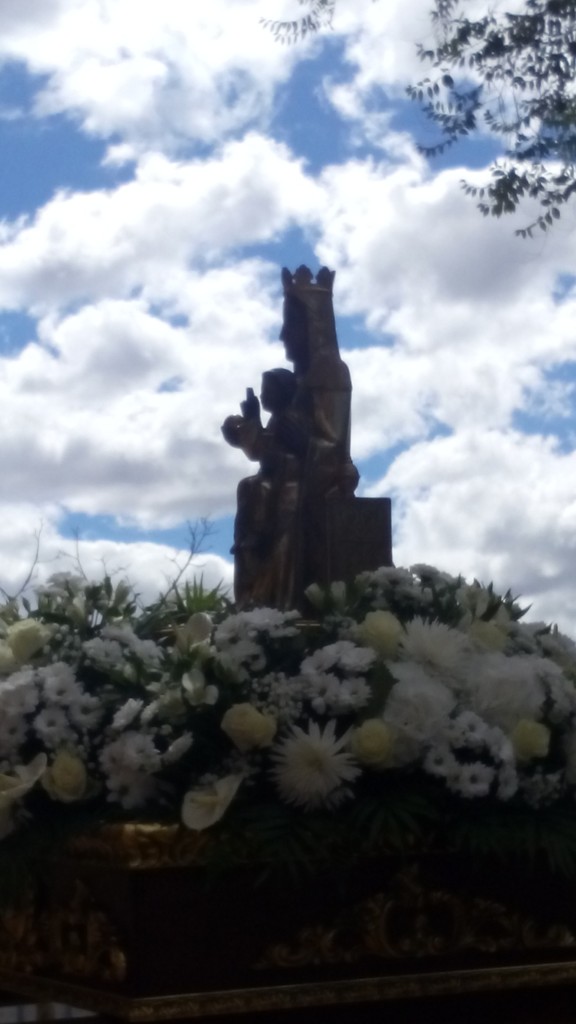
{"x": 313, "y": 296}
{"x": 302, "y": 283}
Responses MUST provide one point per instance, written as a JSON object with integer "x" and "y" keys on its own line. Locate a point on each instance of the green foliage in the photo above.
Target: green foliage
{"x": 319, "y": 15}
{"x": 180, "y": 603}
{"x": 511, "y": 833}
{"x": 512, "y": 74}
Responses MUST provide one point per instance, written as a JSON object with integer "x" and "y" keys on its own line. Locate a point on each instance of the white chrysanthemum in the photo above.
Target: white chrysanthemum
{"x": 279, "y": 696}
{"x": 132, "y": 750}
{"x": 472, "y": 780}
{"x": 311, "y": 768}
{"x": 437, "y": 647}
{"x": 132, "y": 789}
{"x": 330, "y": 695}
{"x": 85, "y": 711}
{"x": 104, "y": 653}
{"x": 440, "y": 761}
{"x": 247, "y": 626}
{"x": 146, "y": 650}
{"x": 343, "y": 655}
{"x": 504, "y": 690}
{"x": 59, "y": 683}
{"x": 53, "y": 727}
{"x": 19, "y": 694}
{"x": 467, "y": 730}
{"x": 242, "y": 658}
{"x": 419, "y": 706}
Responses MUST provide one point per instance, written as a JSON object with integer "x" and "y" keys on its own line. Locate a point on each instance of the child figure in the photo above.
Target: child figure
{"x": 266, "y": 501}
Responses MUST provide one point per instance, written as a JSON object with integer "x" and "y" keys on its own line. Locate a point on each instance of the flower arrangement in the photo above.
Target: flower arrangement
{"x": 409, "y": 699}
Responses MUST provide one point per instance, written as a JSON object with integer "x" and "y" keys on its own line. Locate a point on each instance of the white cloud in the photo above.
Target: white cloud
{"x": 108, "y": 243}
{"x": 152, "y": 74}
{"x": 32, "y": 546}
{"x": 497, "y": 505}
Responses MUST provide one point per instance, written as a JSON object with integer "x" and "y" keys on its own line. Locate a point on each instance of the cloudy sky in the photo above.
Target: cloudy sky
{"x": 160, "y": 163}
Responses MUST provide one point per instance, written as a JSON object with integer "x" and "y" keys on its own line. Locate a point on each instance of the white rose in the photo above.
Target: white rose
{"x": 372, "y": 743}
{"x": 8, "y": 662}
{"x": 66, "y": 779}
{"x": 204, "y": 806}
{"x": 26, "y": 638}
{"x": 247, "y": 727}
{"x": 382, "y": 631}
{"x": 488, "y": 634}
{"x": 530, "y": 739}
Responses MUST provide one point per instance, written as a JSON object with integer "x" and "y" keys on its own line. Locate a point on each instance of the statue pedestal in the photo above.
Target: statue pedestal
{"x": 134, "y": 923}
{"x": 347, "y": 536}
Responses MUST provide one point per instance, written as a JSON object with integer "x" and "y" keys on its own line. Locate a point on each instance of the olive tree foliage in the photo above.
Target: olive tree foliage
{"x": 514, "y": 76}
{"x": 511, "y": 74}
{"x": 317, "y": 14}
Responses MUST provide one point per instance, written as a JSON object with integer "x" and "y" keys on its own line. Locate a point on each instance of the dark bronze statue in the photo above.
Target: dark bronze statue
{"x": 286, "y": 527}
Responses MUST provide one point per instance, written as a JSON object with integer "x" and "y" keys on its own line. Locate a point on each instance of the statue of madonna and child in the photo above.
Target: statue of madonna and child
{"x": 297, "y": 519}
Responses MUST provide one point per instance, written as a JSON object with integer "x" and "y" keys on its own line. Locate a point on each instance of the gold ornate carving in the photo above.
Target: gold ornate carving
{"x": 75, "y": 938}
{"x": 409, "y": 920}
{"x": 140, "y": 846}
{"x": 290, "y": 997}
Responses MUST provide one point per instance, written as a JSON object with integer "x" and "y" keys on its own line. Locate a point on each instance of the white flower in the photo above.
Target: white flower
{"x": 132, "y": 750}
{"x": 195, "y": 688}
{"x": 66, "y": 779}
{"x": 178, "y": 748}
{"x": 467, "y": 730}
{"x": 52, "y": 726}
{"x": 332, "y": 597}
{"x": 327, "y": 693}
{"x": 247, "y": 727}
{"x": 488, "y": 635}
{"x": 104, "y": 653}
{"x": 132, "y": 789}
{"x": 247, "y": 625}
{"x": 440, "y": 761}
{"x": 503, "y": 690}
{"x": 381, "y": 631}
{"x": 19, "y": 694}
{"x": 372, "y": 743}
{"x": 59, "y": 683}
{"x": 243, "y": 658}
{"x": 419, "y": 706}
{"x": 311, "y": 768}
{"x": 205, "y": 805}
{"x": 530, "y": 739}
{"x": 195, "y": 631}
{"x": 437, "y": 647}
{"x": 127, "y": 713}
{"x": 472, "y": 780}
{"x": 85, "y": 711}
{"x": 26, "y": 638}
{"x": 7, "y": 660}
{"x": 343, "y": 655}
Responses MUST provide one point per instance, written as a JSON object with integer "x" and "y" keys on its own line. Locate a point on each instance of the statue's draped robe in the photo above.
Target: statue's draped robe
{"x": 308, "y": 452}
